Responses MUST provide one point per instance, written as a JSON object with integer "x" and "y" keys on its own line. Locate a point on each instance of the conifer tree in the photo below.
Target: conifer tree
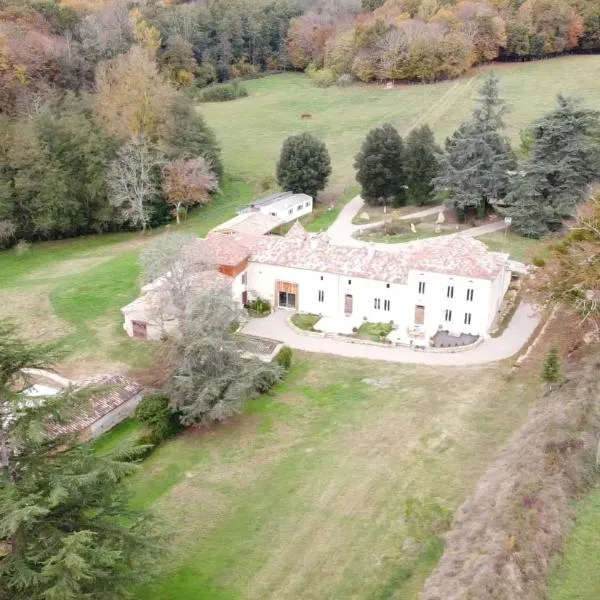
{"x": 564, "y": 160}
{"x": 379, "y": 167}
{"x": 475, "y": 168}
{"x": 66, "y": 530}
{"x": 551, "y": 367}
{"x": 421, "y": 164}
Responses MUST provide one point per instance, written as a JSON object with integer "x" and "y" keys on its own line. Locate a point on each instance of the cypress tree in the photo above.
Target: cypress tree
{"x": 421, "y": 164}
{"x": 474, "y": 170}
{"x": 551, "y": 367}
{"x": 379, "y": 167}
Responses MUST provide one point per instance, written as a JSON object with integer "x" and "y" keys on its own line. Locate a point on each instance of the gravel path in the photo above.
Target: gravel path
{"x": 522, "y": 325}
{"x": 342, "y": 231}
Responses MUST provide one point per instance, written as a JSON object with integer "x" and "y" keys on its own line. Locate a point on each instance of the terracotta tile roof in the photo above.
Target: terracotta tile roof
{"x": 227, "y": 249}
{"x": 297, "y": 231}
{"x": 452, "y": 255}
{"x": 253, "y": 223}
{"x": 118, "y": 390}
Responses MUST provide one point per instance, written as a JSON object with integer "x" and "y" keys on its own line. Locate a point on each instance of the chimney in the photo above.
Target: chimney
{"x": 371, "y": 250}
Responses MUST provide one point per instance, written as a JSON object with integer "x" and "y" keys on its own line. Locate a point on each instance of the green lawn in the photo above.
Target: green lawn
{"x": 303, "y": 496}
{"x": 373, "y": 331}
{"x": 399, "y": 238}
{"x": 305, "y": 321}
{"x": 73, "y": 290}
{"x": 251, "y": 130}
{"x": 576, "y": 576}
{"x": 520, "y": 248}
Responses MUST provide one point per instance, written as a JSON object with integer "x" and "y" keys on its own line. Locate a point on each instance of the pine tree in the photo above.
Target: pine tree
{"x": 474, "y": 170}
{"x": 564, "y": 160}
{"x": 304, "y": 165}
{"x": 66, "y": 530}
{"x": 551, "y": 368}
{"x": 379, "y": 167}
{"x": 421, "y": 164}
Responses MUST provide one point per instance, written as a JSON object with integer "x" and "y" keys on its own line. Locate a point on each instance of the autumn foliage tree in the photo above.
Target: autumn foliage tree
{"x": 188, "y": 182}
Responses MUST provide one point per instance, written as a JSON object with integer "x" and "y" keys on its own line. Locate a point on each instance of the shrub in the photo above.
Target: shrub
{"x": 267, "y": 377}
{"x": 259, "y": 306}
{"x": 7, "y": 232}
{"x": 284, "y": 357}
{"x": 551, "y": 367}
{"x": 223, "y": 92}
{"x": 22, "y": 247}
{"x": 322, "y": 77}
{"x": 243, "y": 70}
{"x": 539, "y": 262}
{"x": 154, "y": 411}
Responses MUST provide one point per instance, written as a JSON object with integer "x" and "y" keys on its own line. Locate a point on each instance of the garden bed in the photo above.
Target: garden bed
{"x": 306, "y": 321}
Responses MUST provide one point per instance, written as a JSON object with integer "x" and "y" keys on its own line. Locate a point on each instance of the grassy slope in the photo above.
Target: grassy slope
{"x": 73, "y": 289}
{"x": 303, "y": 496}
{"x": 252, "y": 129}
{"x": 577, "y": 576}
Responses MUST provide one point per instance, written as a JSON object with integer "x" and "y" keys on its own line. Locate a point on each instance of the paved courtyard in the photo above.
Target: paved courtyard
{"x": 515, "y": 336}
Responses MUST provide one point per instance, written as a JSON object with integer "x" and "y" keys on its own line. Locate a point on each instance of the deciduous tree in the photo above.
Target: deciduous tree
{"x": 187, "y": 182}
{"x": 133, "y": 97}
{"x": 304, "y": 165}
{"x": 133, "y": 181}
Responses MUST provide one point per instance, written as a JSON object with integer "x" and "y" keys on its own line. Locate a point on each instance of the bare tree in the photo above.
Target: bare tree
{"x": 132, "y": 181}
{"x": 174, "y": 262}
{"x": 188, "y": 182}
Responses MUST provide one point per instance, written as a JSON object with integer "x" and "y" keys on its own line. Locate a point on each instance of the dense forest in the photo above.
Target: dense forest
{"x": 429, "y": 40}
{"x": 98, "y": 125}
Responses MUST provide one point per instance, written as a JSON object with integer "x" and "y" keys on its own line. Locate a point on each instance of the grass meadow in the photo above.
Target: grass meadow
{"x": 305, "y": 495}
{"x": 73, "y": 290}
{"x": 251, "y": 130}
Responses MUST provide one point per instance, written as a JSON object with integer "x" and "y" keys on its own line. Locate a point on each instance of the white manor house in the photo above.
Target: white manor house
{"x": 451, "y": 283}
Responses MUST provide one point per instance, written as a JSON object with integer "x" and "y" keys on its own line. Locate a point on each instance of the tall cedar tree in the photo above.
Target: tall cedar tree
{"x": 66, "y": 530}
{"x": 212, "y": 378}
{"x": 564, "y": 160}
{"x": 304, "y": 165}
{"x": 379, "y": 167}
{"x": 421, "y": 164}
{"x": 475, "y": 169}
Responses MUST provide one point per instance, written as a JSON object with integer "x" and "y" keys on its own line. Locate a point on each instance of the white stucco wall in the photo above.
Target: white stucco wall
{"x": 403, "y": 298}
{"x": 289, "y": 208}
{"x": 114, "y": 417}
{"x": 436, "y": 302}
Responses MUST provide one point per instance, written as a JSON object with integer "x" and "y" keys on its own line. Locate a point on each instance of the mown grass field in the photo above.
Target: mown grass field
{"x": 576, "y": 575}
{"x": 73, "y": 290}
{"x": 304, "y": 496}
{"x": 251, "y": 130}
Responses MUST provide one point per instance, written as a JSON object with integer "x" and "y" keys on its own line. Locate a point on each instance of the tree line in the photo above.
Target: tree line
{"x": 538, "y": 187}
{"x": 94, "y": 134}
{"x": 429, "y": 40}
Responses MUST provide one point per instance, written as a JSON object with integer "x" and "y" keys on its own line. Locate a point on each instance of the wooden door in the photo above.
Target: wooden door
{"x": 139, "y": 330}
{"x": 419, "y": 315}
{"x": 348, "y": 304}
